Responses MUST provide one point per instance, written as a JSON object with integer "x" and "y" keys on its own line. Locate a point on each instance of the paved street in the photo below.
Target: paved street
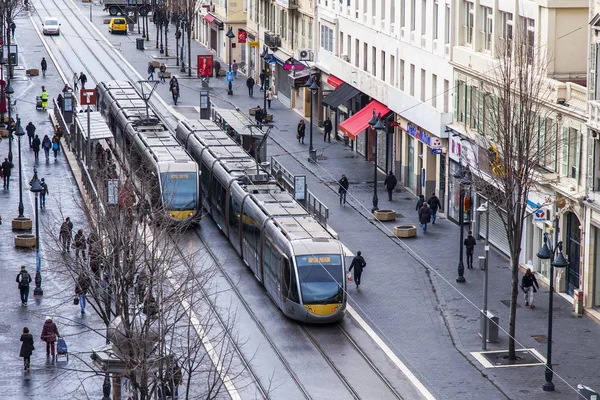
{"x": 409, "y": 295}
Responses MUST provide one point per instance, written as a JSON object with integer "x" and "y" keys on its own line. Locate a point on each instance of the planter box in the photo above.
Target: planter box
{"x": 167, "y": 74}
{"x": 222, "y": 72}
{"x": 385, "y": 215}
{"x": 106, "y": 21}
{"x": 252, "y": 111}
{"x": 269, "y": 117}
{"x": 3, "y": 132}
{"x": 25, "y": 240}
{"x": 155, "y": 63}
{"x": 21, "y": 224}
{"x": 32, "y": 72}
{"x": 405, "y": 231}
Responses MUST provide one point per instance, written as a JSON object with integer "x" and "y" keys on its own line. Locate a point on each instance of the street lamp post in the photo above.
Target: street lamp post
{"x": 20, "y": 133}
{"x": 549, "y": 252}
{"x": 464, "y": 181}
{"x": 36, "y": 188}
{"x": 485, "y": 208}
{"x": 230, "y": 36}
{"x": 266, "y": 58}
{"x": 9, "y": 92}
{"x": 311, "y": 84}
{"x": 376, "y": 124}
{"x": 182, "y": 51}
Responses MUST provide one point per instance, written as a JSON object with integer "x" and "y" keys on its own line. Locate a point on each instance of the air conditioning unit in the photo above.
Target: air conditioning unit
{"x": 346, "y": 57}
{"x": 272, "y": 40}
{"x": 305, "y": 55}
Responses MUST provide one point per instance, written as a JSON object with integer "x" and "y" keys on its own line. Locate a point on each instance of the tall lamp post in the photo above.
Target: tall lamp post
{"x": 230, "y": 36}
{"x": 311, "y": 84}
{"x": 463, "y": 175}
{"x": 3, "y": 85}
{"x": 36, "y": 188}
{"x": 9, "y": 92}
{"x": 557, "y": 260}
{"x": 375, "y": 124}
{"x": 266, "y": 58}
{"x": 484, "y": 208}
{"x": 20, "y": 133}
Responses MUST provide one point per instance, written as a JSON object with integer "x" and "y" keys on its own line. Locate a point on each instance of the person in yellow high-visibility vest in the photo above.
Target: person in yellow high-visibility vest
{"x": 44, "y": 97}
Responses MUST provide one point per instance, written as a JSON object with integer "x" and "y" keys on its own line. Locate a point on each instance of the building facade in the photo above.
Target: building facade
{"x": 391, "y": 56}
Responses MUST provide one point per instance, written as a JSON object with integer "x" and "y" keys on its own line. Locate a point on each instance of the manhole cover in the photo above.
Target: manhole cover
{"x": 507, "y": 303}
{"x": 4, "y": 328}
{"x": 540, "y": 338}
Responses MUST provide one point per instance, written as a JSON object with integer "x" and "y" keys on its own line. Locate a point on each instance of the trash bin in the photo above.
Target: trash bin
{"x": 492, "y": 326}
{"x": 139, "y": 43}
{"x": 586, "y": 393}
{"x": 481, "y": 263}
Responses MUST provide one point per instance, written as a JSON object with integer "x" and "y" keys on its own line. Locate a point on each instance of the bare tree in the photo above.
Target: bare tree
{"x": 511, "y": 126}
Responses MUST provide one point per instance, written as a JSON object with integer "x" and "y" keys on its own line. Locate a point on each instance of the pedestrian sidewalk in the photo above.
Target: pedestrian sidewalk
{"x": 409, "y": 295}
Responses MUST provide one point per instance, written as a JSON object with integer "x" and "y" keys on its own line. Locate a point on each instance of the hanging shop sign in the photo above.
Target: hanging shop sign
{"x": 242, "y": 36}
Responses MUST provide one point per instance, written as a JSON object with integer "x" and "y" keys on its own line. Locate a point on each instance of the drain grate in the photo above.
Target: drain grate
{"x": 540, "y": 338}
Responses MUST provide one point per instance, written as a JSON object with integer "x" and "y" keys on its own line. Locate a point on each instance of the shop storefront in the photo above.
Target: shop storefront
{"x": 215, "y": 30}
{"x": 572, "y": 251}
{"x": 339, "y": 99}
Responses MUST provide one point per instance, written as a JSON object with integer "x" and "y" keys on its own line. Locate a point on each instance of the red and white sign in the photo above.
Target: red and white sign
{"x": 242, "y": 36}
{"x": 436, "y": 143}
{"x": 87, "y": 97}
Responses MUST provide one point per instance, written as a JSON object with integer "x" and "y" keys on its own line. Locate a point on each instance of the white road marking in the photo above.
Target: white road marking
{"x": 388, "y": 352}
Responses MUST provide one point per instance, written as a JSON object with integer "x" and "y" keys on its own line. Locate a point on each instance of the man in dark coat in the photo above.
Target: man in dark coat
{"x": 250, "y": 83}
{"x": 358, "y": 264}
{"x": 66, "y": 234}
{"x": 44, "y": 65}
{"x": 301, "y": 131}
{"x": 434, "y": 205}
{"x": 82, "y": 79}
{"x": 35, "y": 145}
{"x": 343, "y": 188}
{"x": 470, "y": 243}
{"x": 217, "y": 67}
{"x": 259, "y": 114}
{"x": 390, "y": 184}
{"x": 262, "y": 78}
{"x": 30, "y": 128}
{"x": 24, "y": 279}
{"x": 26, "y": 348}
{"x": 327, "y": 126}
{"x": 49, "y": 335}
{"x": 424, "y": 216}
{"x": 7, "y": 166}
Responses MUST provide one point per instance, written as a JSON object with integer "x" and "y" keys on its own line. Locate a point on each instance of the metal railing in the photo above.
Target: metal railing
{"x": 316, "y": 208}
{"x": 284, "y": 177}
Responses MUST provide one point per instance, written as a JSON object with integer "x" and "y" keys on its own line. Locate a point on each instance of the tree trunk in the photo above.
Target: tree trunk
{"x": 189, "y": 39}
{"x": 514, "y": 295}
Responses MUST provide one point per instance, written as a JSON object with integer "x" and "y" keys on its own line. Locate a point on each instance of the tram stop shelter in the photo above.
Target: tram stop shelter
{"x": 86, "y": 141}
{"x": 243, "y": 130}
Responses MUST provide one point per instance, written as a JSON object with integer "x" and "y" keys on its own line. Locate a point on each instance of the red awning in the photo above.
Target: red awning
{"x": 360, "y": 121}
{"x": 334, "y": 81}
{"x": 209, "y": 18}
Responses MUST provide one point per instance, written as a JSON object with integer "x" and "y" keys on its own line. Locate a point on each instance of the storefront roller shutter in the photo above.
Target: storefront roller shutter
{"x": 498, "y": 237}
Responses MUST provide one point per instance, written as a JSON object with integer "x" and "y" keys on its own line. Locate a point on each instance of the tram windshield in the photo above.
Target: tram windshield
{"x": 321, "y": 278}
{"x": 179, "y": 190}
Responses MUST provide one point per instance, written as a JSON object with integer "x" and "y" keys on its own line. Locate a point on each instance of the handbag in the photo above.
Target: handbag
{"x": 76, "y": 301}
{"x": 349, "y": 277}
{"x": 297, "y": 136}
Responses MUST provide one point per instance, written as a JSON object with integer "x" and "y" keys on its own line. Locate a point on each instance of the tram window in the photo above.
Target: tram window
{"x": 205, "y": 177}
{"x": 234, "y": 216}
{"x": 290, "y": 286}
{"x": 272, "y": 260}
{"x": 251, "y": 232}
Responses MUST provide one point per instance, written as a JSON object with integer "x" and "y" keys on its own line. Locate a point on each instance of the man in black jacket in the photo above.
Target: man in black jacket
{"x": 327, "y": 126}
{"x": 390, "y": 184}
{"x": 30, "y": 128}
{"x": 470, "y": 243}
{"x": 358, "y": 263}
{"x": 7, "y": 166}
{"x": 35, "y": 145}
{"x": 434, "y": 206}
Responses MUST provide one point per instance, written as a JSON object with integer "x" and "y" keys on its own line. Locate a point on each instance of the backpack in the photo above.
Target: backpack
{"x": 24, "y": 282}
{"x": 55, "y": 146}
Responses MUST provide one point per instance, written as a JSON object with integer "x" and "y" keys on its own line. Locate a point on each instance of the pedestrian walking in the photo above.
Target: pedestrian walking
{"x": 35, "y": 145}
{"x": 44, "y": 65}
{"x": 79, "y": 242}
{"x": 269, "y": 95}
{"x": 327, "y": 126}
{"x": 424, "y": 216}
{"x": 49, "y": 335}
{"x": 75, "y": 81}
{"x": 82, "y": 79}
{"x": 13, "y": 28}
{"x": 44, "y": 96}
{"x": 23, "y": 280}
{"x": 343, "y": 189}
{"x": 27, "y": 348}
{"x": 250, "y": 84}
{"x": 234, "y": 68}
{"x": 259, "y": 115}
{"x": 174, "y": 89}
{"x": 217, "y": 67}
{"x": 30, "y": 129}
{"x": 46, "y": 145}
{"x": 262, "y": 76}
{"x": 390, "y": 184}
{"x": 55, "y": 147}
{"x": 151, "y": 69}
{"x": 420, "y": 204}
{"x": 529, "y": 285}
{"x": 358, "y": 264}
{"x": 301, "y": 131}
{"x": 7, "y": 167}
{"x": 434, "y": 206}
{"x": 82, "y": 285}
{"x": 162, "y": 70}
{"x": 66, "y": 88}
{"x": 66, "y": 234}
{"x": 43, "y": 194}
{"x": 470, "y": 244}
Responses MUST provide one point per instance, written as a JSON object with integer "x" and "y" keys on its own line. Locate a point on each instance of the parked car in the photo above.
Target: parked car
{"x": 117, "y": 25}
{"x": 51, "y": 26}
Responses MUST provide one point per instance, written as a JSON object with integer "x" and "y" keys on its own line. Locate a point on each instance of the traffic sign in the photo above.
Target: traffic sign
{"x": 229, "y": 76}
{"x": 88, "y": 97}
{"x": 436, "y": 151}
